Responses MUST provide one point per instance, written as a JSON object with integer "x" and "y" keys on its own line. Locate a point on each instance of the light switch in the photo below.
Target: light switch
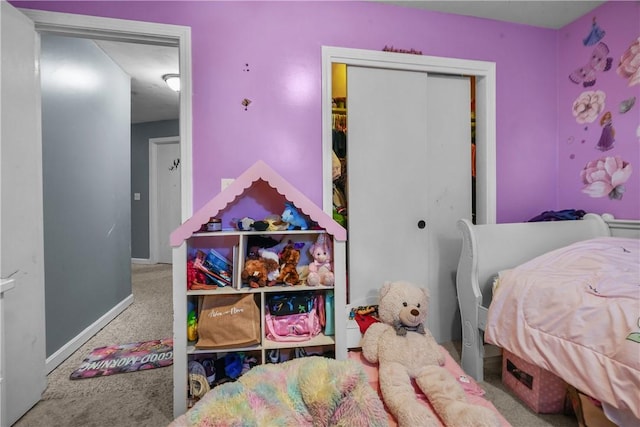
{"x": 136, "y": 196}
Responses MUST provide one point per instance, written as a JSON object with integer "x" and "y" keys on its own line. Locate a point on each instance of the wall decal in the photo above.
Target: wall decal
{"x": 393, "y": 49}
{"x": 629, "y": 66}
{"x": 246, "y": 67}
{"x": 595, "y": 35}
{"x": 607, "y": 140}
{"x": 174, "y": 164}
{"x": 599, "y": 61}
{"x": 627, "y": 105}
{"x": 605, "y": 177}
{"x": 588, "y": 106}
{"x": 246, "y": 103}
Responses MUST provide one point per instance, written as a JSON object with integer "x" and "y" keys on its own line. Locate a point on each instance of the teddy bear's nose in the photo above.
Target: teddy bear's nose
{"x": 415, "y": 312}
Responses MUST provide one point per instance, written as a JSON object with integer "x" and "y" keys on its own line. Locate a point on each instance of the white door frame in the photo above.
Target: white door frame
{"x": 153, "y": 193}
{"x": 93, "y": 27}
{"x": 485, "y": 73}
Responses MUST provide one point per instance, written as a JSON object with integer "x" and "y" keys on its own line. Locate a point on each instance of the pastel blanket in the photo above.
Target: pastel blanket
{"x": 310, "y": 391}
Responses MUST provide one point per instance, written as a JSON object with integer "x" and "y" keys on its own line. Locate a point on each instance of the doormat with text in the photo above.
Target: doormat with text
{"x": 119, "y": 359}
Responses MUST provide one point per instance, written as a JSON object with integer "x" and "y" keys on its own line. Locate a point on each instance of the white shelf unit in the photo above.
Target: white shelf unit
{"x": 224, "y": 242}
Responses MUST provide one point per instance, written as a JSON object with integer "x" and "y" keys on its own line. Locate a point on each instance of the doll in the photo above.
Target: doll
{"x": 320, "y": 272}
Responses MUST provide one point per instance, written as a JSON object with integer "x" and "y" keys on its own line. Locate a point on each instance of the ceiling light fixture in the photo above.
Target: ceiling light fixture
{"x": 173, "y": 81}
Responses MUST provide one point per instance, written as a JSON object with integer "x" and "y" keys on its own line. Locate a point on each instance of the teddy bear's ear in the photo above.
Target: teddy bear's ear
{"x": 385, "y": 288}
{"x": 425, "y": 291}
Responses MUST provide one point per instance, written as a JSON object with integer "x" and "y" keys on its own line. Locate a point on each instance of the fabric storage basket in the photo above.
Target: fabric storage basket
{"x": 542, "y": 391}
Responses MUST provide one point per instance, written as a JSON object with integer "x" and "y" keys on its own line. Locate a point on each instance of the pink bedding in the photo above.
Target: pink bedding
{"x": 471, "y": 388}
{"x": 575, "y": 311}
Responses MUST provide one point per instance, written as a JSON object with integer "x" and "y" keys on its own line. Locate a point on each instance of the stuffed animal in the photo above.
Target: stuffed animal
{"x": 254, "y": 273}
{"x": 404, "y": 350}
{"x": 289, "y": 258}
{"x": 320, "y": 268}
{"x": 243, "y": 224}
{"x": 272, "y": 262}
{"x": 258, "y": 273}
{"x": 295, "y": 219}
{"x": 275, "y": 223}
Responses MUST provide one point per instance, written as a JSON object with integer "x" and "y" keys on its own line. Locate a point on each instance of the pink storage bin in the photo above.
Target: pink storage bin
{"x": 541, "y": 390}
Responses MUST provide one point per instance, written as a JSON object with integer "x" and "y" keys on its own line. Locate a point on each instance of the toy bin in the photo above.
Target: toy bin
{"x": 541, "y": 390}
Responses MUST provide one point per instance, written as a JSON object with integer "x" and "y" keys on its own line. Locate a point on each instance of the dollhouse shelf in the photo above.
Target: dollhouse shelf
{"x": 260, "y": 186}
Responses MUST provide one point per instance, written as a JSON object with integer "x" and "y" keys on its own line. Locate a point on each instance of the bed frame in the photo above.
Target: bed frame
{"x": 490, "y": 248}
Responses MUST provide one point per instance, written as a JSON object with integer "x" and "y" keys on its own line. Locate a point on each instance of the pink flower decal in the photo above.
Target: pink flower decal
{"x": 588, "y": 106}
{"x": 605, "y": 177}
{"x": 629, "y": 66}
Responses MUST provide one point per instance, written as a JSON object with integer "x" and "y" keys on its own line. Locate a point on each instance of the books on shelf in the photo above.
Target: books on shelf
{"x": 216, "y": 267}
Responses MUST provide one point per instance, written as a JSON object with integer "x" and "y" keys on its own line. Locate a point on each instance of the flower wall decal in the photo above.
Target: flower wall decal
{"x": 588, "y": 106}
{"x": 605, "y": 177}
{"x": 629, "y": 66}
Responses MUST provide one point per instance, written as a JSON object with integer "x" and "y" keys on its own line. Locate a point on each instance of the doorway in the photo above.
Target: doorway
{"x": 164, "y": 196}
{"x": 95, "y": 28}
{"x": 484, "y": 80}
{"x": 396, "y": 108}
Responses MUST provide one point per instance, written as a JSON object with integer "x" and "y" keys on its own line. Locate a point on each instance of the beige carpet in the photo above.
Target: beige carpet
{"x": 140, "y": 399}
{"x": 145, "y": 399}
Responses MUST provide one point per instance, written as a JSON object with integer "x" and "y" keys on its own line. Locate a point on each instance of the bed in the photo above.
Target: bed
{"x": 508, "y": 298}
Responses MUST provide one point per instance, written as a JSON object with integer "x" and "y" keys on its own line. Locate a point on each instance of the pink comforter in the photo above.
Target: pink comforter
{"x": 575, "y": 311}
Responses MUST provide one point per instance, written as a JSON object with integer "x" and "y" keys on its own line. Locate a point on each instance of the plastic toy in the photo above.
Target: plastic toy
{"x": 192, "y": 326}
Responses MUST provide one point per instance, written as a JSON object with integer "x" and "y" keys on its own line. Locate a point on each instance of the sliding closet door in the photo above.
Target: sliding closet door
{"x": 409, "y": 181}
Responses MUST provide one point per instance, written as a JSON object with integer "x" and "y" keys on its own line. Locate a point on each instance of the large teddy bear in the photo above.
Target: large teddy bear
{"x": 406, "y": 350}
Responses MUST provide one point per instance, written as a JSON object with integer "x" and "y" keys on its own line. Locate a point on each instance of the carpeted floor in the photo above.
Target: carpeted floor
{"x": 134, "y": 399}
{"x": 145, "y": 399}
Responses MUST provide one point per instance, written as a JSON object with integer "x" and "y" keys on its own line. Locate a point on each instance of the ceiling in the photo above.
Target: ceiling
{"x": 546, "y": 14}
{"x": 152, "y": 100}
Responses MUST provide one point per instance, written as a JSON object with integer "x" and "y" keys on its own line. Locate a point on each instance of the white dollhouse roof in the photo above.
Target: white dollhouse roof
{"x": 259, "y": 171}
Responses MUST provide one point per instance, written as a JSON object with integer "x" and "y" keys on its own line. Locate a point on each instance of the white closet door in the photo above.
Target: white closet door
{"x": 409, "y": 158}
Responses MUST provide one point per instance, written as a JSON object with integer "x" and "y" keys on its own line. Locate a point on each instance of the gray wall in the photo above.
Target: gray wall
{"x": 86, "y": 183}
{"x": 140, "y": 135}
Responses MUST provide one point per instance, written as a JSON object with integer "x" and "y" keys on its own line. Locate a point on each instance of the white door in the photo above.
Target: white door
{"x": 21, "y": 213}
{"x": 409, "y": 181}
{"x": 168, "y": 197}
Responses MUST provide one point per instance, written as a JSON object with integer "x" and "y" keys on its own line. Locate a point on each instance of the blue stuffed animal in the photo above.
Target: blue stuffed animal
{"x": 295, "y": 219}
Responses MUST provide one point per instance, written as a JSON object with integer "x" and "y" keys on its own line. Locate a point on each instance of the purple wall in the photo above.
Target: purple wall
{"x": 281, "y": 42}
{"x": 579, "y": 137}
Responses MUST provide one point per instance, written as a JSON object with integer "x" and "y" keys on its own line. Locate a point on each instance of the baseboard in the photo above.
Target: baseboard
{"x": 141, "y": 261}
{"x": 74, "y": 344}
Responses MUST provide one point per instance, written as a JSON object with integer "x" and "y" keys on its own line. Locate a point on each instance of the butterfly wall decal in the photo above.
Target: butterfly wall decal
{"x": 599, "y": 61}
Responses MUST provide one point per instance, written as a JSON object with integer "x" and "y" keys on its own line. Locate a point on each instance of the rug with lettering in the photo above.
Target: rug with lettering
{"x": 133, "y": 357}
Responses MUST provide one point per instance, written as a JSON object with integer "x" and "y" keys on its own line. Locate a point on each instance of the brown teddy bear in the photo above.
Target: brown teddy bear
{"x": 404, "y": 350}
{"x": 289, "y": 258}
{"x": 256, "y": 272}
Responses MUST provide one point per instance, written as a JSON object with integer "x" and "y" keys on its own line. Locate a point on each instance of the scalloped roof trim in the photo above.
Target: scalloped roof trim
{"x": 259, "y": 171}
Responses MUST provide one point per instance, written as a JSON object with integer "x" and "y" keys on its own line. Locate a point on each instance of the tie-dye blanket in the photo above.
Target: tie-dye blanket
{"x": 311, "y": 391}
